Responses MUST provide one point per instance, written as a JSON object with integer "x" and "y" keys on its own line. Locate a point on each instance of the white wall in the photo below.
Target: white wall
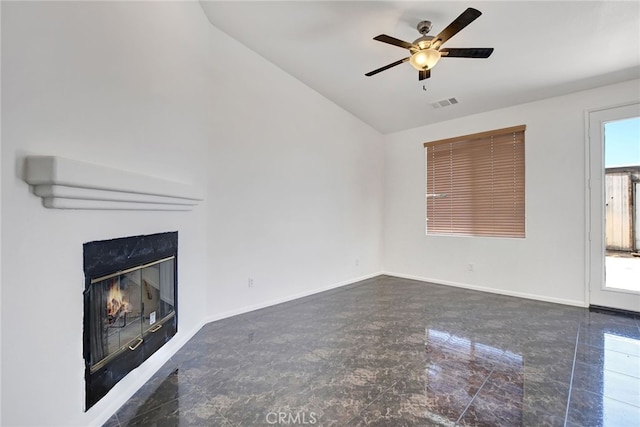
{"x": 120, "y": 84}
{"x": 295, "y": 190}
{"x": 549, "y": 263}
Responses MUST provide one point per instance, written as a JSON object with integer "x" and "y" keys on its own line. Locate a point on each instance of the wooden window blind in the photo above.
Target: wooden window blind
{"x": 475, "y": 184}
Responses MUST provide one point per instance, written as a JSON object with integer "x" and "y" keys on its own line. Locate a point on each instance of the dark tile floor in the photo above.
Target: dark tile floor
{"x": 396, "y": 352}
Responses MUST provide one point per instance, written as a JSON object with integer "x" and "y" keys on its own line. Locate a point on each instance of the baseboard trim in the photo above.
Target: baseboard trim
{"x": 276, "y": 301}
{"x": 536, "y": 297}
{"x": 612, "y": 310}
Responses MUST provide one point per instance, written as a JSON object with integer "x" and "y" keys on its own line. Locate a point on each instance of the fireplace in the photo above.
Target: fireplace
{"x": 130, "y": 306}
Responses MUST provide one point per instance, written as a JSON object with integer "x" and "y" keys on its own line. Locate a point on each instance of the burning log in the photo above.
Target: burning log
{"x": 117, "y": 306}
{"x": 113, "y": 318}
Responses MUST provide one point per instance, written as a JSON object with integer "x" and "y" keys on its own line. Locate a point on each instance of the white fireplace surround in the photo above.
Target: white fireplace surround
{"x": 71, "y": 184}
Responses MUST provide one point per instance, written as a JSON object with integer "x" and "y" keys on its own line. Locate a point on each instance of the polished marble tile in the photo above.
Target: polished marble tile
{"x": 623, "y": 345}
{"x": 607, "y": 317}
{"x": 495, "y": 407}
{"x": 397, "y": 352}
{"x": 406, "y": 409}
{"x": 609, "y": 360}
{"x": 182, "y": 411}
{"x": 112, "y": 422}
{"x": 548, "y": 363}
{"x": 542, "y": 420}
{"x": 598, "y": 335}
{"x": 594, "y": 410}
{"x": 548, "y": 397}
{"x": 167, "y": 385}
{"x": 492, "y": 410}
{"x": 609, "y": 383}
{"x": 448, "y": 396}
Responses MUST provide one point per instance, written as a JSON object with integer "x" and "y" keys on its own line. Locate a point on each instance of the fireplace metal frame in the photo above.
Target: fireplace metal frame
{"x": 109, "y": 258}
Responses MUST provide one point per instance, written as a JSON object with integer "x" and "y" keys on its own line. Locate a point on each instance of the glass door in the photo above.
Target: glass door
{"x": 127, "y": 306}
{"x": 614, "y": 172}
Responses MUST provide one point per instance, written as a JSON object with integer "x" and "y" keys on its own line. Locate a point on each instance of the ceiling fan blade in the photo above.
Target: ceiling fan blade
{"x": 465, "y": 18}
{"x": 394, "y": 41}
{"x": 471, "y": 52}
{"x": 386, "y": 67}
{"x": 424, "y": 74}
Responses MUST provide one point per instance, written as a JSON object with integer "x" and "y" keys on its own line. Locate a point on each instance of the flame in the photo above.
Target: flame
{"x": 116, "y": 302}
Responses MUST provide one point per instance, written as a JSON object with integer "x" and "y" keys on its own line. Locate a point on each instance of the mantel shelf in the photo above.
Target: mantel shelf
{"x": 71, "y": 184}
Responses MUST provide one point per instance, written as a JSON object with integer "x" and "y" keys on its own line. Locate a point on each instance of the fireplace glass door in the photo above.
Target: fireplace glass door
{"x": 127, "y": 306}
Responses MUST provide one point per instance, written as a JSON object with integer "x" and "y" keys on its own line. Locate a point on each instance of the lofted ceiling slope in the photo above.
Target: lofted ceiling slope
{"x": 542, "y": 49}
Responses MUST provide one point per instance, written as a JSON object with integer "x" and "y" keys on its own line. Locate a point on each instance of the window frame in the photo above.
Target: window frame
{"x": 487, "y": 182}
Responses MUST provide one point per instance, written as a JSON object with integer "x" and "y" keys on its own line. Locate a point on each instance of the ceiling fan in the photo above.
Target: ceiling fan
{"x": 426, "y": 50}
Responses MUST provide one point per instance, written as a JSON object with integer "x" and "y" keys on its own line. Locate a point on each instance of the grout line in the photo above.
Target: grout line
{"x": 382, "y": 393}
{"x": 609, "y": 397}
{"x": 602, "y": 349}
{"x": 226, "y": 419}
{"x": 474, "y": 396}
{"x": 573, "y": 368}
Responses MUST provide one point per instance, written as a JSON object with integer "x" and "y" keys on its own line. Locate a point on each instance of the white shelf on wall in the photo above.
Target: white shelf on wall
{"x": 71, "y": 184}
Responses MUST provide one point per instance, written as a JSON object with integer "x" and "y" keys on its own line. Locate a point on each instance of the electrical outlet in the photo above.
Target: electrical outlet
{"x": 470, "y": 266}
{"x": 251, "y": 282}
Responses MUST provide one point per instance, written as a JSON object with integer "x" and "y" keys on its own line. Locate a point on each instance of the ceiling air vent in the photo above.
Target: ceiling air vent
{"x": 444, "y": 103}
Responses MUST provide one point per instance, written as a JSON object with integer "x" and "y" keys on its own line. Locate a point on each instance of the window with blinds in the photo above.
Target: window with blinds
{"x": 475, "y": 184}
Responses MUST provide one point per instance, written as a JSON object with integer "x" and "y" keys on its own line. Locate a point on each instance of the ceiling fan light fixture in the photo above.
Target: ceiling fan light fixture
{"x": 424, "y": 59}
{"x": 425, "y": 50}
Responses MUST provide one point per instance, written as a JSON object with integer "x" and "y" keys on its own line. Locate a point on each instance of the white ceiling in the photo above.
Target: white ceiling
{"x": 542, "y": 49}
